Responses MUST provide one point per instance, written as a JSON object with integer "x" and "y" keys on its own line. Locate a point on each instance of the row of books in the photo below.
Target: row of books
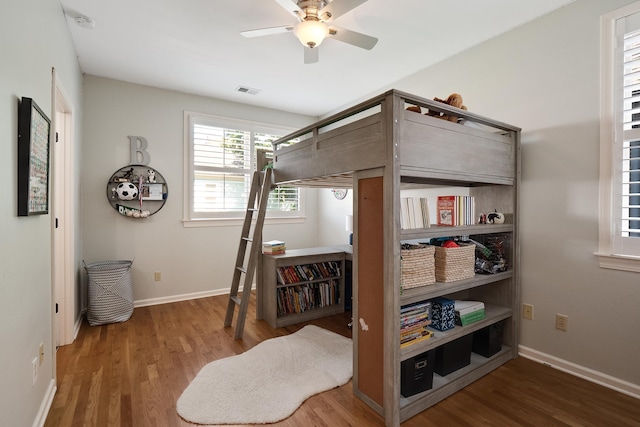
{"x": 414, "y": 213}
{"x": 456, "y": 210}
{"x": 301, "y": 298}
{"x": 273, "y": 247}
{"x": 414, "y": 320}
{"x": 307, "y": 272}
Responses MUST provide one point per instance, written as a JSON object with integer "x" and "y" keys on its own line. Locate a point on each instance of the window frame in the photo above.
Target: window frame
{"x": 193, "y": 219}
{"x": 608, "y": 240}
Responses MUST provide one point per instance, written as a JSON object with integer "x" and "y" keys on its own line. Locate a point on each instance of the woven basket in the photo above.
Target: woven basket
{"x": 417, "y": 266}
{"x": 455, "y": 263}
{"x": 110, "y": 292}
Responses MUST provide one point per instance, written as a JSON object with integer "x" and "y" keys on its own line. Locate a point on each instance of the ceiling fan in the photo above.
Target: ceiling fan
{"x": 315, "y": 23}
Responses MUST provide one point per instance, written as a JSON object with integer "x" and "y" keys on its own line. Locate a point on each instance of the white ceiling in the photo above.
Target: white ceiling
{"x": 195, "y": 46}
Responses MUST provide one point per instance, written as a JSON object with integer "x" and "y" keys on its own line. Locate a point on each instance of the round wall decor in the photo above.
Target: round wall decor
{"x": 340, "y": 193}
{"x": 137, "y": 191}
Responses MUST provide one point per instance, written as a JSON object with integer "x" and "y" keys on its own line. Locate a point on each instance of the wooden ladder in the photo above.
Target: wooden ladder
{"x": 252, "y": 245}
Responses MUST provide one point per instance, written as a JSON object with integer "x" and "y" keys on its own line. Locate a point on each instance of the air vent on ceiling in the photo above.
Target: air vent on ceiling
{"x": 249, "y": 90}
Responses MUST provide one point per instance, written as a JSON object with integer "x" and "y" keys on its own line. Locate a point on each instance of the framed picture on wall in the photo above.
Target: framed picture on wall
{"x": 34, "y": 129}
{"x": 152, "y": 191}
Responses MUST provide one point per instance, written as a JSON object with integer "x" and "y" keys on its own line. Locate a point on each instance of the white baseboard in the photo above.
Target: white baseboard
{"x": 605, "y": 380}
{"x": 41, "y": 417}
{"x": 76, "y": 327}
{"x": 183, "y": 297}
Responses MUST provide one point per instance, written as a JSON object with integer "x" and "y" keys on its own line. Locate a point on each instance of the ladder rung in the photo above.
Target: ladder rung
{"x": 237, "y": 300}
{"x": 247, "y": 239}
{"x": 242, "y": 269}
{"x": 252, "y": 210}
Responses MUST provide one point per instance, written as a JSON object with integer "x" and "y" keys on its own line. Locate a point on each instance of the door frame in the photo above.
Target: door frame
{"x": 62, "y": 219}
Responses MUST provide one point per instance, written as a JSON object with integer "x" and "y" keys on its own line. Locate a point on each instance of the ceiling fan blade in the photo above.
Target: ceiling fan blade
{"x": 292, "y": 7}
{"x": 267, "y": 31}
{"x": 311, "y": 56}
{"x": 338, "y": 8}
{"x": 352, "y": 37}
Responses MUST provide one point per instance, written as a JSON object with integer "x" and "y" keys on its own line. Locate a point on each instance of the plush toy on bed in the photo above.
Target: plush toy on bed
{"x": 455, "y": 100}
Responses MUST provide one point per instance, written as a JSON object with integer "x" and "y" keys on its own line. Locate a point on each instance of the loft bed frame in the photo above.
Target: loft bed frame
{"x": 380, "y": 132}
{"x": 379, "y": 148}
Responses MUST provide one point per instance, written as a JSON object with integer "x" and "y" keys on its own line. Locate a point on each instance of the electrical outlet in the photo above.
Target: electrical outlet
{"x": 527, "y": 311}
{"x": 158, "y": 276}
{"x": 41, "y": 354}
{"x": 34, "y": 367}
{"x": 562, "y": 322}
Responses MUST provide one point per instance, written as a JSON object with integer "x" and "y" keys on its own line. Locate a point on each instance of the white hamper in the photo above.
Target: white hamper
{"x": 110, "y": 292}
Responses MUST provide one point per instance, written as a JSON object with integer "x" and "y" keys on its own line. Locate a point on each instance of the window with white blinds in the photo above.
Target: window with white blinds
{"x": 222, "y": 157}
{"x": 620, "y": 140}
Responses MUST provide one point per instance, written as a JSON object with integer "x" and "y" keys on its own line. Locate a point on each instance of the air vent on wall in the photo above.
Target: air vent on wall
{"x": 245, "y": 89}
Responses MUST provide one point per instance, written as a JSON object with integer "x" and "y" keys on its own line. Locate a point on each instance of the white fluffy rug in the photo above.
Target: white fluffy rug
{"x": 270, "y": 381}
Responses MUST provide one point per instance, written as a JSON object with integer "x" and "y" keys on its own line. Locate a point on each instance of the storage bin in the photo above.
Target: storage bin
{"x": 455, "y": 263}
{"x": 453, "y": 355}
{"x": 443, "y": 314}
{"x": 416, "y": 373}
{"x": 488, "y": 341}
{"x": 417, "y": 264}
{"x": 110, "y": 292}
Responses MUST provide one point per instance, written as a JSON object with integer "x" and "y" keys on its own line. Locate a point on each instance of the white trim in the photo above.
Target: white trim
{"x": 183, "y": 297}
{"x": 45, "y": 406}
{"x": 223, "y": 222}
{"x": 619, "y": 262}
{"x": 588, "y": 374}
{"x": 607, "y": 255}
{"x": 78, "y": 324}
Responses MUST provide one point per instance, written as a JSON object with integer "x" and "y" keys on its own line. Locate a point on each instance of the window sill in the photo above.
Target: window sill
{"x": 225, "y": 222}
{"x": 619, "y": 262}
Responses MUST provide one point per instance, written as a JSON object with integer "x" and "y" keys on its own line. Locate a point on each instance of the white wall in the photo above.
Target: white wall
{"x": 544, "y": 77}
{"x": 332, "y": 215}
{"x": 33, "y": 39}
{"x": 192, "y": 260}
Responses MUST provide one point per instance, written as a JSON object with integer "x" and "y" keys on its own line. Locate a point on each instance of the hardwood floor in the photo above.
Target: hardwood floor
{"x": 132, "y": 373}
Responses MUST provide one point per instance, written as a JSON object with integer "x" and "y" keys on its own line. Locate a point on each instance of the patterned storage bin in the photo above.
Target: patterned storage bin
{"x": 443, "y": 314}
{"x": 455, "y": 263}
{"x": 110, "y": 292}
{"x": 417, "y": 265}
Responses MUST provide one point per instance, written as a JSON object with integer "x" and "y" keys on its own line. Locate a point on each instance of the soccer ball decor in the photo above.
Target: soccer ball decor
{"x": 127, "y": 191}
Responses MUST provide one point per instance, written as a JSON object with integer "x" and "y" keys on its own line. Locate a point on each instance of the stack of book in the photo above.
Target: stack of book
{"x": 468, "y": 312}
{"x": 414, "y": 319}
{"x": 414, "y": 213}
{"x": 273, "y": 247}
{"x": 456, "y": 210}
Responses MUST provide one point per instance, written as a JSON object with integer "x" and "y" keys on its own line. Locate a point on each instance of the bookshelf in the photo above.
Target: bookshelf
{"x": 302, "y": 284}
{"x": 383, "y": 149}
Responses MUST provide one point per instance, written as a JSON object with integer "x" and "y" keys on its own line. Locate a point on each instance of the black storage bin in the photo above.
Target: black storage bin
{"x": 453, "y": 355}
{"x": 416, "y": 374}
{"x": 488, "y": 341}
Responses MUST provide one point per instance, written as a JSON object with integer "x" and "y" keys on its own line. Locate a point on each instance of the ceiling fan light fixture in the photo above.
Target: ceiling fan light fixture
{"x": 311, "y": 33}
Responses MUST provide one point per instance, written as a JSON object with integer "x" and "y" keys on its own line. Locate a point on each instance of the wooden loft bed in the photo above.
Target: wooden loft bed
{"x": 370, "y": 134}
{"x": 378, "y": 148}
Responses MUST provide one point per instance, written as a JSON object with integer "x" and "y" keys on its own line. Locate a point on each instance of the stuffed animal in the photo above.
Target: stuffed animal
{"x": 455, "y": 100}
{"x": 151, "y": 175}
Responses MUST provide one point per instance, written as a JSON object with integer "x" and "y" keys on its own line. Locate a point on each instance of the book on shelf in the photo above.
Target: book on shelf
{"x": 468, "y": 312}
{"x": 414, "y": 213}
{"x": 427, "y": 335}
{"x": 273, "y": 247}
{"x": 456, "y": 210}
{"x": 463, "y": 307}
{"x": 301, "y": 298}
{"x": 414, "y": 320}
